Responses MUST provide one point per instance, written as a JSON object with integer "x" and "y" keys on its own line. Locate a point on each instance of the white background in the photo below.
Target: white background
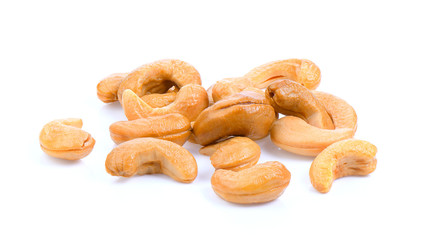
{"x": 52, "y": 55}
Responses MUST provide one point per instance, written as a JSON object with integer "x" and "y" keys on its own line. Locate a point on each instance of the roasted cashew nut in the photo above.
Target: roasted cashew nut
{"x": 244, "y": 114}
{"x": 291, "y": 98}
{"x": 233, "y": 154}
{"x": 295, "y": 135}
{"x": 150, "y": 155}
{"x": 190, "y": 101}
{"x": 107, "y": 88}
{"x": 261, "y": 183}
{"x": 65, "y": 139}
{"x": 172, "y": 127}
{"x": 344, "y": 158}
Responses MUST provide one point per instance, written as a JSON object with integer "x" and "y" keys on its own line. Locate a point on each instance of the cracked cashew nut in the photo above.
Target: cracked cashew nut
{"x": 150, "y": 155}
{"x": 234, "y": 154}
{"x": 64, "y": 139}
{"x": 344, "y": 158}
{"x": 261, "y": 183}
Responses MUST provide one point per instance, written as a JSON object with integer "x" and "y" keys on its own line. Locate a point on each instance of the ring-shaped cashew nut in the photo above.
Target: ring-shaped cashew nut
{"x": 107, "y": 88}
{"x": 244, "y": 114}
{"x": 190, "y": 101}
{"x": 158, "y": 77}
{"x": 150, "y": 155}
{"x": 261, "y": 183}
{"x": 233, "y": 154}
{"x": 291, "y": 98}
{"x": 349, "y": 157}
{"x": 64, "y": 139}
{"x": 173, "y": 127}
{"x": 295, "y": 135}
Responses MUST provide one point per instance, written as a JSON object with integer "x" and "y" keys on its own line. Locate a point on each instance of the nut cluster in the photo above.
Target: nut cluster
{"x": 166, "y": 105}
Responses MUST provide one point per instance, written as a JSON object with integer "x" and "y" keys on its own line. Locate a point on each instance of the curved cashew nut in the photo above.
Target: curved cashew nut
{"x": 64, "y": 139}
{"x": 190, "y": 101}
{"x": 233, "y": 154}
{"x": 172, "y": 127}
{"x": 295, "y": 135}
{"x": 344, "y": 158}
{"x": 291, "y": 98}
{"x": 260, "y": 183}
{"x": 244, "y": 114}
{"x": 159, "y": 76}
{"x": 150, "y": 155}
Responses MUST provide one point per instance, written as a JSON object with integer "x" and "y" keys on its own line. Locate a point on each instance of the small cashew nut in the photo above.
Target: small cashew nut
{"x": 150, "y": 155}
{"x": 107, "y": 88}
{"x": 244, "y": 114}
{"x": 261, "y": 183}
{"x": 190, "y": 101}
{"x": 233, "y": 154}
{"x": 344, "y": 158}
{"x": 172, "y": 127}
{"x": 64, "y": 139}
{"x": 291, "y": 98}
{"x": 158, "y": 77}
{"x": 295, "y": 135}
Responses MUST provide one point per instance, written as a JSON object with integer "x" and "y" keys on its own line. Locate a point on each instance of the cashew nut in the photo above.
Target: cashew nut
{"x": 190, "y": 101}
{"x": 260, "y": 183}
{"x": 233, "y": 154}
{"x": 108, "y": 87}
{"x": 247, "y": 114}
{"x": 295, "y": 135}
{"x": 344, "y": 158}
{"x": 172, "y": 127}
{"x": 150, "y": 155}
{"x": 291, "y": 98}
{"x": 64, "y": 139}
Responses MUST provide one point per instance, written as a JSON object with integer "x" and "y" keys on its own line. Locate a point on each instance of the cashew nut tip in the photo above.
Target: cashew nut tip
{"x": 107, "y": 88}
{"x": 233, "y": 154}
{"x": 64, "y": 139}
{"x": 150, "y": 155}
{"x": 261, "y": 183}
{"x": 344, "y": 158}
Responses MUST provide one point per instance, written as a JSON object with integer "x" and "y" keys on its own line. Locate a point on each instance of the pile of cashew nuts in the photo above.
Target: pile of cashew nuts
{"x": 166, "y": 105}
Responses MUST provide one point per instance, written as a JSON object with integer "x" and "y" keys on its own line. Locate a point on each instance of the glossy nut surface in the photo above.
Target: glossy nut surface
{"x": 260, "y": 183}
{"x": 233, "y": 154}
{"x": 64, "y": 139}
{"x": 295, "y": 135}
{"x": 291, "y": 98}
{"x": 172, "y": 127}
{"x": 150, "y": 155}
{"x": 190, "y": 101}
{"x": 344, "y": 158}
{"x": 107, "y": 88}
{"x": 244, "y": 114}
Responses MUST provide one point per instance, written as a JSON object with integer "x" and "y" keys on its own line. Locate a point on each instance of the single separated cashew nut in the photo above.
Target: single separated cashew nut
{"x": 150, "y": 155}
{"x": 291, "y": 98}
{"x": 172, "y": 127}
{"x": 295, "y": 135}
{"x": 344, "y": 158}
{"x": 302, "y": 71}
{"x": 261, "y": 183}
{"x": 64, "y": 139}
{"x": 158, "y": 77}
{"x": 233, "y": 154}
{"x": 246, "y": 114}
{"x": 190, "y": 101}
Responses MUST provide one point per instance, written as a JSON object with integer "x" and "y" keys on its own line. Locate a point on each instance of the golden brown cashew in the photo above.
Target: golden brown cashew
{"x": 295, "y": 135}
{"x": 172, "y": 127}
{"x": 244, "y": 114}
{"x": 344, "y": 158}
{"x": 107, "y": 88}
{"x": 190, "y": 101}
{"x": 233, "y": 154}
{"x": 65, "y": 139}
{"x": 159, "y": 76}
{"x": 150, "y": 155}
{"x": 291, "y": 98}
{"x": 260, "y": 183}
